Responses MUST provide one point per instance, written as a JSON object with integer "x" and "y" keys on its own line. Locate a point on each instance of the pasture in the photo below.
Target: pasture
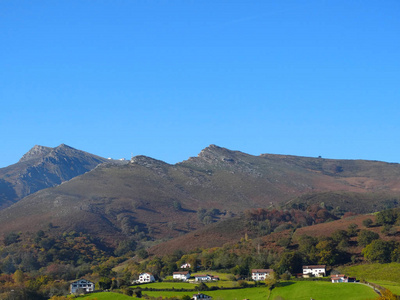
{"x": 322, "y": 290}
{"x": 293, "y": 290}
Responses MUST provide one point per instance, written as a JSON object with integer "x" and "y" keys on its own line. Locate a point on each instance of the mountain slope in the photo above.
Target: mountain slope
{"x": 43, "y": 167}
{"x": 164, "y": 201}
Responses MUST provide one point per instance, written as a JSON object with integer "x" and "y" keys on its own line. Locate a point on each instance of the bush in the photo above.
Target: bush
{"x": 367, "y": 223}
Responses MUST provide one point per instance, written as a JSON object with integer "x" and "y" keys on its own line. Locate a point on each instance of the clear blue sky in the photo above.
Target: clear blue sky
{"x": 167, "y": 78}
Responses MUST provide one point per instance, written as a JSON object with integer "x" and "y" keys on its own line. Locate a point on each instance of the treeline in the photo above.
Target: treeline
{"x": 43, "y": 250}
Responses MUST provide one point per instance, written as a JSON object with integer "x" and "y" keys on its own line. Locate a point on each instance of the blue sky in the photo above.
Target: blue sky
{"x": 168, "y": 78}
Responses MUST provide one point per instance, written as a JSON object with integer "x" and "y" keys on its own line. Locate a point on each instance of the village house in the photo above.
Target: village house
{"x": 260, "y": 274}
{"x": 314, "y": 270}
{"x": 205, "y": 278}
{"x": 342, "y": 278}
{"x": 186, "y": 266}
{"x": 181, "y": 275}
{"x": 81, "y": 286}
{"x": 200, "y": 296}
{"x": 145, "y": 278}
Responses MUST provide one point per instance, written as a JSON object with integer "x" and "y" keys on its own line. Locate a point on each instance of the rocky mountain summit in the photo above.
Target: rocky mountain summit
{"x": 43, "y": 167}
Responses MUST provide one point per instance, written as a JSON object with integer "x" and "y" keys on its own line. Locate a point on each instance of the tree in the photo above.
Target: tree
{"x": 271, "y": 280}
{"x": 18, "y": 277}
{"x": 352, "y": 229}
{"x": 11, "y": 238}
{"x": 365, "y": 237}
{"x": 388, "y": 216}
{"x": 177, "y": 205}
{"x": 290, "y": 261}
{"x": 327, "y": 252}
{"x": 367, "y": 222}
{"x": 378, "y": 251}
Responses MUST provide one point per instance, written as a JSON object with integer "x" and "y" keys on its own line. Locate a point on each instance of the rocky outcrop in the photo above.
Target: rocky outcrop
{"x": 43, "y": 167}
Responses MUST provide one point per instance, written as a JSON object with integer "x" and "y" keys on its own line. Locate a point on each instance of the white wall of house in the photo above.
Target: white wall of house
{"x": 83, "y": 285}
{"x": 319, "y": 271}
{"x": 146, "y": 278}
{"x": 181, "y": 276}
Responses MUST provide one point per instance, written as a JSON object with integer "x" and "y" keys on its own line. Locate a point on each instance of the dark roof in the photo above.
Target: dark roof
{"x": 262, "y": 270}
{"x": 314, "y": 267}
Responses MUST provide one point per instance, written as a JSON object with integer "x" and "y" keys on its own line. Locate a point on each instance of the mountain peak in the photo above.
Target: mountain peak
{"x": 146, "y": 161}
{"x": 214, "y": 152}
{"x": 36, "y": 152}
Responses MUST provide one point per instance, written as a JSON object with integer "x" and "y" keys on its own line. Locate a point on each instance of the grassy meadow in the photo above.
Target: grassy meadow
{"x": 322, "y": 290}
{"x": 105, "y": 296}
{"x": 386, "y": 275}
{"x": 258, "y": 293}
{"x": 293, "y": 290}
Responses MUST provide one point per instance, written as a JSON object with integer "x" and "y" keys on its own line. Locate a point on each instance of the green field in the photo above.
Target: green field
{"x": 394, "y": 287}
{"x": 167, "y": 285}
{"x": 322, "y": 290}
{"x": 371, "y": 272}
{"x": 105, "y": 296}
{"x": 293, "y": 290}
{"x": 249, "y": 293}
{"x": 188, "y": 286}
{"x": 386, "y": 275}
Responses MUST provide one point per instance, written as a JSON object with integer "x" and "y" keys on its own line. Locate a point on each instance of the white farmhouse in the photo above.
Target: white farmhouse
{"x": 200, "y": 296}
{"x": 203, "y": 277}
{"x": 314, "y": 270}
{"x": 81, "y": 286}
{"x": 260, "y": 274}
{"x": 145, "y": 278}
{"x": 181, "y": 275}
{"x": 186, "y": 266}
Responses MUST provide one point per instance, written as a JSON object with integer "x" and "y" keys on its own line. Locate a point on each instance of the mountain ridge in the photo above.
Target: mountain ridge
{"x": 159, "y": 200}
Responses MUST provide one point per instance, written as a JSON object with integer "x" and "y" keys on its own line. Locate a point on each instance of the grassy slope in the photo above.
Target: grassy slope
{"x": 249, "y": 293}
{"x": 303, "y": 290}
{"x": 386, "y": 275}
{"x": 105, "y": 296}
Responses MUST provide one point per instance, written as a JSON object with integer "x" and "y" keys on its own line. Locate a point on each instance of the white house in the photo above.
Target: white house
{"x": 81, "y": 286}
{"x": 200, "y": 296}
{"x": 314, "y": 270}
{"x": 186, "y": 266}
{"x": 181, "y": 275}
{"x": 341, "y": 278}
{"x": 145, "y": 278}
{"x": 338, "y": 278}
{"x": 260, "y": 274}
{"x": 205, "y": 278}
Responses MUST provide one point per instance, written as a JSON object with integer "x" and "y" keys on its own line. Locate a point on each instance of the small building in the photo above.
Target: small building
{"x": 145, "y": 278}
{"x": 186, "y": 266}
{"x": 81, "y": 286}
{"x": 260, "y": 274}
{"x": 314, "y": 270}
{"x": 205, "y": 277}
{"x": 342, "y": 278}
{"x": 200, "y": 296}
{"x": 181, "y": 275}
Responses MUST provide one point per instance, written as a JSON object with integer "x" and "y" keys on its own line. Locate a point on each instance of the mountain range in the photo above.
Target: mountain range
{"x": 75, "y": 190}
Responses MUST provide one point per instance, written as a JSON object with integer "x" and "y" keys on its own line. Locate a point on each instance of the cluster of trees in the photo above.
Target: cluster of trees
{"x": 207, "y": 216}
{"x": 73, "y": 252}
{"x": 264, "y": 221}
